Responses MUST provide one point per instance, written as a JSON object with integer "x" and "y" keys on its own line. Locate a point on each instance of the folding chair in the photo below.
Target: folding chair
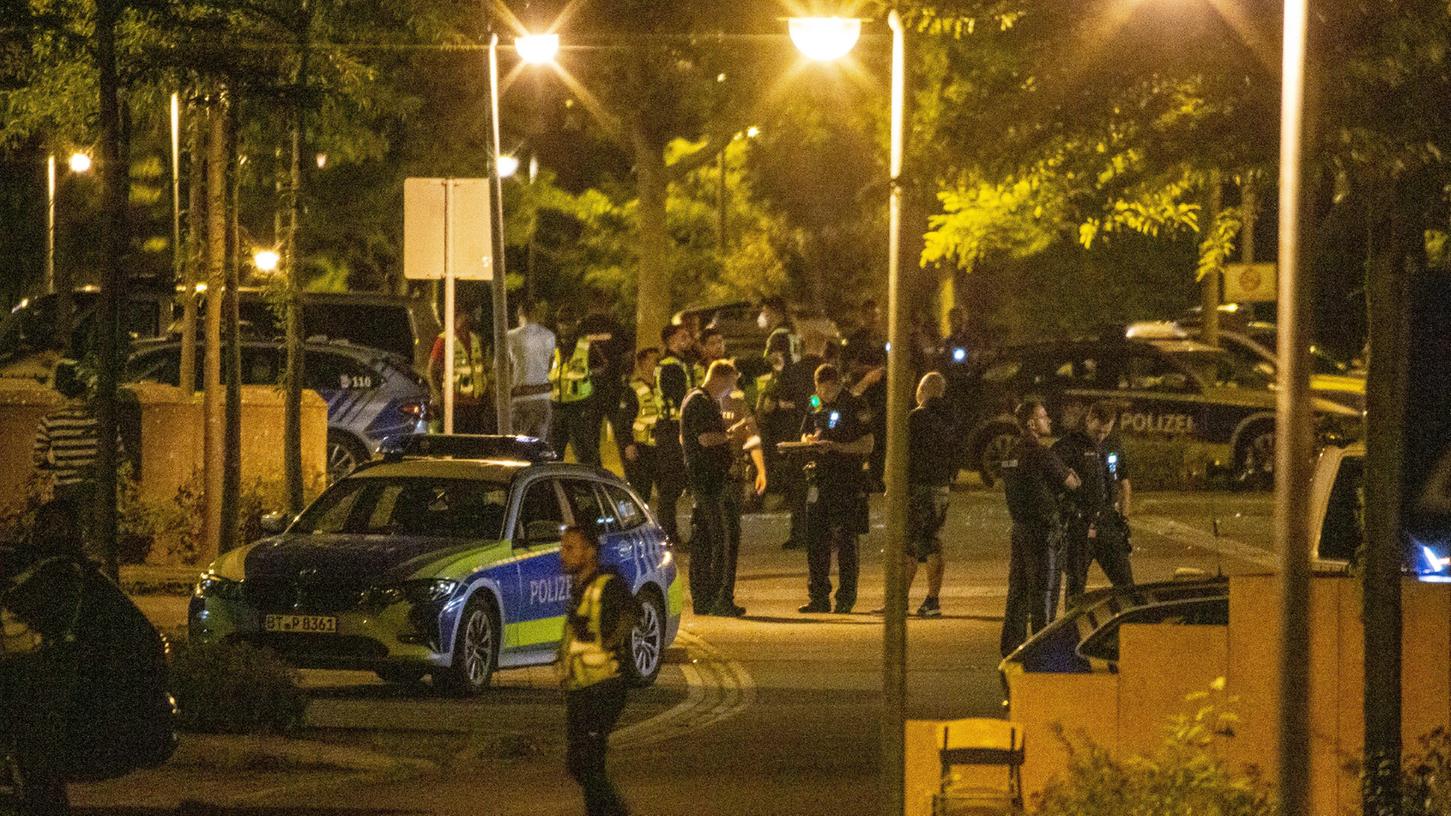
{"x": 982, "y": 744}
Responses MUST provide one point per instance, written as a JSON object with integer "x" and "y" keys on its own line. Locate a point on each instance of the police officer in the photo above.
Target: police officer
{"x": 747, "y": 472}
{"x": 571, "y": 380}
{"x": 1032, "y": 479}
{"x": 674, "y": 377}
{"x": 597, "y": 626}
{"x": 639, "y": 411}
{"x": 775, "y": 318}
{"x": 836, "y": 497}
{"x": 706, "y": 440}
{"x": 1093, "y": 529}
{"x": 470, "y": 373}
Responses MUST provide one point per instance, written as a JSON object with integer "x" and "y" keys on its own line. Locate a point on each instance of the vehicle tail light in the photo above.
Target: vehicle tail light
{"x": 418, "y": 410}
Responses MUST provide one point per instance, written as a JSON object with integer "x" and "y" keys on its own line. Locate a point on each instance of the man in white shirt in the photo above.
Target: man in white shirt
{"x": 531, "y": 350}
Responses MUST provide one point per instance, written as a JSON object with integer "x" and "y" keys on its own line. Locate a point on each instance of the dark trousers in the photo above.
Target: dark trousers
{"x": 796, "y": 492}
{"x": 590, "y": 716}
{"x": 641, "y": 472}
{"x": 1032, "y": 584}
{"x": 732, "y": 550}
{"x": 577, "y": 422}
{"x": 1080, "y": 551}
{"x": 33, "y": 726}
{"x": 670, "y": 481}
{"x": 707, "y": 547}
{"x": 828, "y": 528}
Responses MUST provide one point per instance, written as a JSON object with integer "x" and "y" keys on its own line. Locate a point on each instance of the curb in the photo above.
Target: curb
{"x": 219, "y": 752}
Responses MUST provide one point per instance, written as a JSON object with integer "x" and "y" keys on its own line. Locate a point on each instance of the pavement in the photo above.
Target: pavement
{"x": 773, "y": 713}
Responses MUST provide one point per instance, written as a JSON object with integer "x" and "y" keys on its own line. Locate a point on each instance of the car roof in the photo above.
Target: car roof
{"x": 502, "y": 471}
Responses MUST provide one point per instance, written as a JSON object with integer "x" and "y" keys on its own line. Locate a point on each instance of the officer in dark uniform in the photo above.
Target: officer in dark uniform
{"x": 836, "y": 496}
{"x": 674, "y": 378}
{"x": 1093, "y": 530}
{"x": 1032, "y": 478}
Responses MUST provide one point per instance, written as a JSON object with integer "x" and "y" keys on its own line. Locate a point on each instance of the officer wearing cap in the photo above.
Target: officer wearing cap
{"x": 1033, "y": 476}
{"x": 1092, "y": 526}
{"x": 836, "y": 496}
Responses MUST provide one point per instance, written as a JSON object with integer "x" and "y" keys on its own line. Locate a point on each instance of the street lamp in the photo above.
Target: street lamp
{"x": 78, "y": 162}
{"x": 266, "y": 260}
{"x": 506, "y": 165}
{"x": 824, "y": 39}
{"x": 537, "y": 49}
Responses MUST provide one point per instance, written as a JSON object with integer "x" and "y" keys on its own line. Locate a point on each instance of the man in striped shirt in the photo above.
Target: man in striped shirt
{"x": 67, "y": 439}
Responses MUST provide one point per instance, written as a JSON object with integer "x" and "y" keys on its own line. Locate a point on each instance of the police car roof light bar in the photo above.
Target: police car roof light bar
{"x": 467, "y": 446}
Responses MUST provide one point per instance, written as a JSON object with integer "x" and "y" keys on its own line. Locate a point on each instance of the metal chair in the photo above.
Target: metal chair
{"x": 984, "y": 744}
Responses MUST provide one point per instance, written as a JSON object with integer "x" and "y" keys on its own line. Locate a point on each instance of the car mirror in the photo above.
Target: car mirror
{"x": 1176, "y": 382}
{"x": 543, "y": 531}
{"x": 274, "y": 522}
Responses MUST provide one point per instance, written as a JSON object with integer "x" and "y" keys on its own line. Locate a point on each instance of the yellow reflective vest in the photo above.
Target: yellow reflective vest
{"x": 585, "y": 659}
{"x": 647, "y": 397}
{"x": 470, "y": 375}
{"x": 570, "y": 380}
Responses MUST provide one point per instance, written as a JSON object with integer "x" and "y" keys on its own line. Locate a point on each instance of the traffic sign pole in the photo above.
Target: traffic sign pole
{"x": 448, "y": 306}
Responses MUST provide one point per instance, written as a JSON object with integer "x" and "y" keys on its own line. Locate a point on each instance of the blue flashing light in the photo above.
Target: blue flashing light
{"x": 959, "y": 354}
{"x": 1435, "y": 564}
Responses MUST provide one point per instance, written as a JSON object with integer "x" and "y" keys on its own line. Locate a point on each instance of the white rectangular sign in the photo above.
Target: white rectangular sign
{"x": 432, "y": 209}
{"x": 1250, "y": 283}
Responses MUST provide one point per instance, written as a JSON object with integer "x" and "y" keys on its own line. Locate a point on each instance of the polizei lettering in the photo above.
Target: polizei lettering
{"x": 1167, "y": 424}
{"x": 549, "y": 590}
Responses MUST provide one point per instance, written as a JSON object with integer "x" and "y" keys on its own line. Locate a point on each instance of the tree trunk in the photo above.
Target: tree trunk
{"x": 195, "y": 229}
{"x": 213, "y": 422}
{"x": 1394, "y": 237}
{"x": 232, "y": 437}
{"x": 115, "y": 191}
{"x": 652, "y": 294}
{"x": 1209, "y": 287}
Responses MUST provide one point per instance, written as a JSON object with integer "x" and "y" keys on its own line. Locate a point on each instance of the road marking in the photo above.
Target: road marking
{"x": 1181, "y": 533}
{"x": 719, "y": 688}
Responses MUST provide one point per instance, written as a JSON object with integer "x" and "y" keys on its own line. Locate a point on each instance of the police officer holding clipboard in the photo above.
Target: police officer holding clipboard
{"x": 839, "y": 439}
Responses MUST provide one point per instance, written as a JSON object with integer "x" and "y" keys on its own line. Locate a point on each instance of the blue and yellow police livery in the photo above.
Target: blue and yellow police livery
{"x": 441, "y": 559}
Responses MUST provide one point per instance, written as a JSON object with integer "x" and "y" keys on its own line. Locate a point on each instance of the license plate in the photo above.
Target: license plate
{"x": 318, "y": 624}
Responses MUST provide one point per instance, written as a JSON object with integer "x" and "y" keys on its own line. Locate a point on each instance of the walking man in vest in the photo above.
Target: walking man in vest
{"x": 673, "y": 379}
{"x": 639, "y": 411}
{"x": 601, "y": 614}
{"x": 470, "y": 373}
{"x": 571, "y": 379}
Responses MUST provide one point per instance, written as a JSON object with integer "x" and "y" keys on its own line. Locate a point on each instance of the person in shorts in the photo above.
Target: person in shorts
{"x": 932, "y": 443}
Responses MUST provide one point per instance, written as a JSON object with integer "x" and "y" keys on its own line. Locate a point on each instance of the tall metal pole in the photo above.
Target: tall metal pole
{"x": 176, "y": 251}
{"x": 449, "y": 307}
{"x": 497, "y": 285}
{"x": 50, "y": 224}
{"x": 1293, "y": 443}
{"x": 894, "y": 636}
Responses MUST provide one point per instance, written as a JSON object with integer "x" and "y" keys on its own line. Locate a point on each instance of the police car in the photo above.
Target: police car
{"x": 1166, "y": 389}
{"x": 440, "y": 558}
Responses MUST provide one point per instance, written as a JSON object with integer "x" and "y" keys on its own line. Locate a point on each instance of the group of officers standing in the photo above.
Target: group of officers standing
{"x": 808, "y": 419}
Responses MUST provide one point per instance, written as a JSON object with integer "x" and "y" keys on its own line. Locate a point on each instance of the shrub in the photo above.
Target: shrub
{"x": 1168, "y": 464}
{"x": 1184, "y": 776}
{"x": 1427, "y": 784}
{"x": 235, "y": 688}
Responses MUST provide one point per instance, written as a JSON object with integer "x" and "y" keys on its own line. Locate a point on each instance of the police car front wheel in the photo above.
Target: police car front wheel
{"x": 647, "y": 642}
{"x": 475, "y": 651}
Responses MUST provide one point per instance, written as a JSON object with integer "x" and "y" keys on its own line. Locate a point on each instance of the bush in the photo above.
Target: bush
{"x": 1185, "y": 776}
{"x": 1427, "y": 784}
{"x": 1168, "y": 464}
{"x": 235, "y": 688}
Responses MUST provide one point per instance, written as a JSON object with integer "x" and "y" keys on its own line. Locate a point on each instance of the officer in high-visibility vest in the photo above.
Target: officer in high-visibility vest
{"x": 592, "y": 656}
{"x": 470, "y": 374}
{"x": 674, "y": 378}
{"x": 571, "y": 379}
{"x": 639, "y": 410}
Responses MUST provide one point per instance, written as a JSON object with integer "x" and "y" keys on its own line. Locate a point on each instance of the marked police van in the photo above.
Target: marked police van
{"x": 1166, "y": 389}
{"x": 441, "y": 558}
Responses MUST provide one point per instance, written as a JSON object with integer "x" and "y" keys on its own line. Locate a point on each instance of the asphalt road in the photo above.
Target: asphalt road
{"x": 775, "y": 713}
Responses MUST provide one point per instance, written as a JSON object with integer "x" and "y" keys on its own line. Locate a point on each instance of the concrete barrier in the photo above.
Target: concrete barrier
{"x": 21, "y": 409}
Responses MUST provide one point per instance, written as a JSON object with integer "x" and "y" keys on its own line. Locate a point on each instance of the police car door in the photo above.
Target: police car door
{"x": 534, "y": 604}
{"x": 1160, "y": 399}
{"x": 635, "y": 547}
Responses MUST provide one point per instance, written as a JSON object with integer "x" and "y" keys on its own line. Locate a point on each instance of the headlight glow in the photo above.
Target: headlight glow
{"x": 418, "y": 593}
{"x": 212, "y": 585}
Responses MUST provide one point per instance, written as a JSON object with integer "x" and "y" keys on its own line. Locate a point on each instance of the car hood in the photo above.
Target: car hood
{"x": 348, "y": 560}
{"x": 1266, "y": 399}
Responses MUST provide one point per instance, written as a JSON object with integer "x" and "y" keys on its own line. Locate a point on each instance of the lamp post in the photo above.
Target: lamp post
{"x": 78, "y": 163}
{"x": 500, "y": 166}
{"x": 825, "y": 39}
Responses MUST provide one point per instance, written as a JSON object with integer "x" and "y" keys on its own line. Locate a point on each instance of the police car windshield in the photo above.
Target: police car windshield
{"x": 1221, "y": 369}
{"x": 409, "y": 506}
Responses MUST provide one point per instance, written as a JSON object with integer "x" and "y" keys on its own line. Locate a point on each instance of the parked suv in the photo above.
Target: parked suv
{"x": 370, "y": 395}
